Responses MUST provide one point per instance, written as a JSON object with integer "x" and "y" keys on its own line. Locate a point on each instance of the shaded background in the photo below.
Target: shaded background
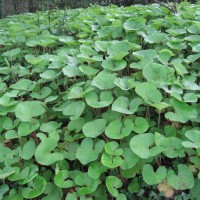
{"x": 10, "y": 7}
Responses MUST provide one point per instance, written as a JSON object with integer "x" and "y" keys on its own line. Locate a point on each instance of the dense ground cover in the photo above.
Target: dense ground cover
{"x": 100, "y": 103}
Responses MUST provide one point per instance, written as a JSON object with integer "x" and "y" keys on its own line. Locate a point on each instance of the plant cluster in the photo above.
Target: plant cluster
{"x": 108, "y": 108}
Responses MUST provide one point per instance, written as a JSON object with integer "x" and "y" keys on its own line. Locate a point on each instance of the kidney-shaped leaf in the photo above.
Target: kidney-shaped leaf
{"x": 104, "y": 81}
{"x": 27, "y": 110}
{"x": 141, "y": 125}
{"x": 104, "y": 99}
{"x": 43, "y": 153}
{"x": 74, "y": 109}
{"x": 35, "y": 189}
{"x": 140, "y": 145}
{"x": 151, "y": 177}
{"x": 148, "y": 92}
{"x": 184, "y": 180}
{"x": 114, "y": 65}
{"x": 194, "y": 137}
{"x": 111, "y": 161}
{"x": 155, "y": 37}
{"x": 88, "y": 151}
{"x": 118, "y": 129}
{"x": 122, "y": 105}
{"x": 61, "y": 180}
{"x": 94, "y": 128}
{"x": 113, "y": 183}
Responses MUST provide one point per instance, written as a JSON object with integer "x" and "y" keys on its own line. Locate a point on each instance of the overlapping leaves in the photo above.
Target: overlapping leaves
{"x": 98, "y": 111}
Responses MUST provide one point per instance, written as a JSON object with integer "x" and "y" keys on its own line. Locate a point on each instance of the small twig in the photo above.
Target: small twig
{"x": 162, "y": 4}
{"x": 175, "y": 7}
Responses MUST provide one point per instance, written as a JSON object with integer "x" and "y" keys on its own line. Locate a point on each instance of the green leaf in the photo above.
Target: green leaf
{"x": 179, "y": 67}
{"x": 96, "y": 169}
{"x": 87, "y": 70}
{"x": 104, "y": 81}
{"x": 49, "y": 75}
{"x": 184, "y": 180}
{"x": 118, "y": 50}
{"x": 104, "y": 99}
{"x": 61, "y": 181}
{"x": 45, "y": 92}
{"x": 156, "y": 74}
{"x": 165, "y": 55}
{"x": 116, "y": 65}
{"x": 133, "y": 186}
{"x": 12, "y": 54}
{"x": 88, "y": 185}
{"x": 151, "y": 177}
{"x": 118, "y": 129}
{"x": 3, "y": 189}
{"x": 148, "y": 54}
{"x": 183, "y": 112}
{"x": 6, "y": 172}
{"x": 156, "y": 37}
{"x": 74, "y": 109}
{"x": 26, "y": 111}
{"x": 71, "y": 71}
{"x": 94, "y": 128}
{"x": 102, "y": 45}
{"x": 23, "y": 84}
{"x": 26, "y": 128}
{"x": 127, "y": 162}
{"x": 111, "y": 161}
{"x": 43, "y": 151}
{"x": 88, "y": 151}
{"x": 112, "y": 148}
{"x": 35, "y": 189}
{"x": 125, "y": 83}
{"x": 122, "y": 105}
{"x": 141, "y": 125}
{"x": 148, "y": 92}
{"x": 121, "y": 197}
{"x": 113, "y": 184}
{"x": 71, "y": 196}
{"x": 28, "y": 150}
{"x": 142, "y": 144}
{"x": 134, "y": 25}
{"x": 194, "y": 137}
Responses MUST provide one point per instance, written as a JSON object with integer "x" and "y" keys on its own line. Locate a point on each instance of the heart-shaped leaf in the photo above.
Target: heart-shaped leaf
{"x": 104, "y": 81}
{"x": 74, "y": 109}
{"x": 194, "y": 137}
{"x": 148, "y": 92}
{"x": 37, "y": 186}
{"x": 111, "y": 161}
{"x": 96, "y": 169}
{"x": 88, "y": 151}
{"x": 43, "y": 153}
{"x": 118, "y": 129}
{"x": 94, "y": 128}
{"x": 27, "y": 110}
{"x": 141, "y": 125}
{"x": 113, "y": 183}
{"x": 112, "y": 148}
{"x": 184, "y": 180}
{"x": 114, "y": 65}
{"x": 101, "y": 100}
{"x": 142, "y": 144}
{"x": 151, "y": 177}
{"x": 61, "y": 181}
{"x": 122, "y": 105}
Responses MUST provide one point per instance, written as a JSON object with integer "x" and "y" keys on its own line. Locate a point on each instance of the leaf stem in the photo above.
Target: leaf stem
{"x": 159, "y": 119}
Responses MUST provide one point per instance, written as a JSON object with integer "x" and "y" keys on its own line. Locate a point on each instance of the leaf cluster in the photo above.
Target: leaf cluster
{"x": 110, "y": 109}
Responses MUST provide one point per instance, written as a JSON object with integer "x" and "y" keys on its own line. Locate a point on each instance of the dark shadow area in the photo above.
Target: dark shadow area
{"x": 11, "y": 7}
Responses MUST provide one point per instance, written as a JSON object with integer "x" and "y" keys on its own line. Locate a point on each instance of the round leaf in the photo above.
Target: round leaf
{"x": 94, "y": 128}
